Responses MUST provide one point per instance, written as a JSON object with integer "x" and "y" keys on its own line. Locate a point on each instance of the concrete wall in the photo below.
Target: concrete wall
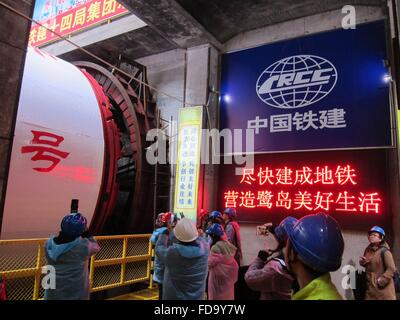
{"x": 13, "y": 41}
{"x": 188, "y": 75}
{"x": 184, "y": 74}
{"x": 393, "y": 164}
{"x": 393, "y": 155}
{"x": 166, "y": 72}
{"x": 299, "y": 27}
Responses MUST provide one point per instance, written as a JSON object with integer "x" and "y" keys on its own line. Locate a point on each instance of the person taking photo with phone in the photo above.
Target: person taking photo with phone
{"x": 69, "y": 254}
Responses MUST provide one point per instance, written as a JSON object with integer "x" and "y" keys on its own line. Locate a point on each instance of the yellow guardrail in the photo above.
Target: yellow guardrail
{"x": 151, "y": 285}
{"x": 122, "y": 260}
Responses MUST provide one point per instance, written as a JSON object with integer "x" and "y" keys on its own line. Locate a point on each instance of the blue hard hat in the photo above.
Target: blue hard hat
{"x": 73, "y": 225}
{"x": 318, "y": 241}
{"x": 378, "y": 230}
{"x": 281, "y": 231}
{"x": 231, "y": 212}
{"x": 215, "y": 215}
{"x": 215, "y": 230}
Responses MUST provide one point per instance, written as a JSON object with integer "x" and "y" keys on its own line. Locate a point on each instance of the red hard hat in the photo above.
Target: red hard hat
{"x": 166, "y": 217}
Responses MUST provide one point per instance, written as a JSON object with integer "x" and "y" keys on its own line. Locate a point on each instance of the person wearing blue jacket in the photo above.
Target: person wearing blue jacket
{"x": 185, "y": 260}
{"x": 165, "y": 222}
{"x": 69, "y": 254}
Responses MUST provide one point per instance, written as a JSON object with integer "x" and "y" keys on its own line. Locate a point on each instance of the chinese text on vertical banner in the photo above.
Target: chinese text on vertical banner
{"x": 188, "y": 162}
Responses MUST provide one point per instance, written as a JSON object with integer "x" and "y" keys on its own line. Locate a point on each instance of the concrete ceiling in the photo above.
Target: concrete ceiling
{"x": 226, "y": 19}
{"x": 175, "y": 24}
{"x": 134, "y": 44}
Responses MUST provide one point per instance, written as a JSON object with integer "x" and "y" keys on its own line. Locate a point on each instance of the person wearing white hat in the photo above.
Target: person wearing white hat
{"x": 186, "y": 262}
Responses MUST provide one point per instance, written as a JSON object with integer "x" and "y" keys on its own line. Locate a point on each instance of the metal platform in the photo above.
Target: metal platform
{"x": 145, "y": 294}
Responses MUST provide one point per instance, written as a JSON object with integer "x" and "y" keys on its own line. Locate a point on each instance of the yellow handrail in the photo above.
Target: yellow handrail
{"x": 122, "y": 260}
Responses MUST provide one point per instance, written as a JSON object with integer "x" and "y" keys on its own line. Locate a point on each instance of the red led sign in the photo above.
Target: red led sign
{"x": 349, "y": 185}
{"x": 302, "y": 199}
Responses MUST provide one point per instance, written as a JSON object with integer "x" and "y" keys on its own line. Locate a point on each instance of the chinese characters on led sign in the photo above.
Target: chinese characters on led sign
{"x": 88, "y": 14}
{"x": 274, "y": 180}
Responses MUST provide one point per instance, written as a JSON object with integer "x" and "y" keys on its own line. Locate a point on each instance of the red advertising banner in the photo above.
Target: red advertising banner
{"x": 349, "y": 185}
{"x": 76, "y": 19}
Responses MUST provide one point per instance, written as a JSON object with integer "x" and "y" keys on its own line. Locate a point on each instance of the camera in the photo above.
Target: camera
{"x": 271, "y": 243}
{"x": 74, "y": 205}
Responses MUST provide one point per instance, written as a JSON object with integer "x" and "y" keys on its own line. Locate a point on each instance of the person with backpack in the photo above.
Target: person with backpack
{"x": 268, "y": 273}
{"x": 379, "y": 266}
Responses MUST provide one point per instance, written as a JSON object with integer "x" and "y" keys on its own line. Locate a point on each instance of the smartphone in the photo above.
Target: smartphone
{"x": 74, "y": 205}
{"x": 264, "y": 229}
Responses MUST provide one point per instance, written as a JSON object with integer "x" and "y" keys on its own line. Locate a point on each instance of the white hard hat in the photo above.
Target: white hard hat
{"x": 185, "y": 230}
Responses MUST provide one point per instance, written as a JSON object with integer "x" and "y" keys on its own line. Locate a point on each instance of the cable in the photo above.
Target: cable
{"x": 95, "y": 56}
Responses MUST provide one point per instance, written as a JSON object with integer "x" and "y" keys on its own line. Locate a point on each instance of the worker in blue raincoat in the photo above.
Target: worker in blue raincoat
{"x": 69, "y": 254}
{"x": 165, "y": 222}
{"x": 186, "y": 262}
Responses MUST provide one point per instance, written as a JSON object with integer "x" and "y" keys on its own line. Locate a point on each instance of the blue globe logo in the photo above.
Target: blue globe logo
{"x": 296, "y": 81}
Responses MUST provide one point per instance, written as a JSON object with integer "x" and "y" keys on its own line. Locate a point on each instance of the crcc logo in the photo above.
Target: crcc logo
{"x": 296, "y": 81}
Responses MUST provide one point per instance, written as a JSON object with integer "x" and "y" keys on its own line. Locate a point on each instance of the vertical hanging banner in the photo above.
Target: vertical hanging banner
{"x": 188, "y": 161}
